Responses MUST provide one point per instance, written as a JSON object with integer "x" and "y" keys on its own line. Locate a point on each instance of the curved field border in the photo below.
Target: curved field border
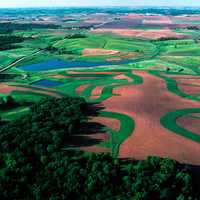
{"x": 169, "y": 122}
{"x": 127, "y": 126}
{"x": 172, "y": 86}
{"x": 40, "y": 89}
{"x": 107, "y": 91}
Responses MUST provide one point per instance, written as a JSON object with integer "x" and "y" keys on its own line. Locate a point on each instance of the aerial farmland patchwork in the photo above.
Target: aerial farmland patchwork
{"x": 139, "y": 70}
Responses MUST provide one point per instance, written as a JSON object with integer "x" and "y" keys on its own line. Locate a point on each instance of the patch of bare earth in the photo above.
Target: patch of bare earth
{"x": 195, "y": 82}
{"x": 177, "y": 77}
{"x": 60, "y": 76}
{"x": 98, "y": 52}
{"x": 146, "y": 104}
{"x": 161, "y": 20}
{"x": 81, "y": 88}
{"x": 189, "y": 123}
{"x": 96, "y": 92}
{"x": 111, "y": 123}
{"x": 148, "y": 34}
{"x": 123, "y": 77}
{"x": 188, "y": 17}
{"x": 7, "y": 89}
{"x": 189, "y": 89}
{"x": 113, "y": 59}
{"x": 95, "y": 73}
{"x": 188, "y": 84}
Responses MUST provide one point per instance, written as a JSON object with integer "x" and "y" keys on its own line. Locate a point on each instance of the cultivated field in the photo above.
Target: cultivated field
{"x": 142, "y": 71}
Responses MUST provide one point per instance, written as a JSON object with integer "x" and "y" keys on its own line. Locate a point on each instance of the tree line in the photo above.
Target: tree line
{"x": 33, "y": 164}
{"x": 9, "y": 41}
{"x": 8, "y": 26}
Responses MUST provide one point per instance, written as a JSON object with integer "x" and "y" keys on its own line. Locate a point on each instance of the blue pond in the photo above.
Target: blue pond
{"x": 55, "y": 63}
{"x": 47, "y": 83}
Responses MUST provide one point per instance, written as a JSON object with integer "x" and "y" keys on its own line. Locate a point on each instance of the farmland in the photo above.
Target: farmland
{"x": 141, "y": 70}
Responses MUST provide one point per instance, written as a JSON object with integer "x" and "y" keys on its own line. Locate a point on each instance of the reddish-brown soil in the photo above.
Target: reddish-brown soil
{"x": 177, "y": 77}
{"x": 188, "y": 84}
{"x": 190, "y": 124}
{"x": 113, "y": 59}
{"x": 7, "y": 89}
{"x": 189, "y": 89}
{"x": 94, "y": 21}
{"x": 165, "y": 20}
{"x": 95, "y": 73}
{"x": 127, "y": 55}
{"x": 195, "y": 82}
{"x": 188, "y": 18}
{"x": 122, "y": 76}
{"x": 98, "y": 52}
{"x": 134, "y": 16}
{"x": 81, "y": 88}
{"x": 148, "y": 34}
{"x": 146, "y": 104}
{"x": 112, "y": 123}
{"x": 96, "y": 92}
{"x": 60, "y": 76}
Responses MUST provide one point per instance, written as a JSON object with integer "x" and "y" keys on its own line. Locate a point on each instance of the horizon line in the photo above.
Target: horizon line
{"x": 117, "y": 6}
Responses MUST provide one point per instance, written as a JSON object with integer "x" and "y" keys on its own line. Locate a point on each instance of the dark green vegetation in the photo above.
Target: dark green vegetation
{"x": 9, "y": 42}
{"x": 7, "y": 102}
{"x": 9, "y": 27}
{"x": 34, "y": 166}
{"x": 38, "y": 157}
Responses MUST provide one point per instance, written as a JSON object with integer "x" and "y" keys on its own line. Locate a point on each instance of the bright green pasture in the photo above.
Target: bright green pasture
{"x": 191, "y": 63}
{"x": 107, "y": 42}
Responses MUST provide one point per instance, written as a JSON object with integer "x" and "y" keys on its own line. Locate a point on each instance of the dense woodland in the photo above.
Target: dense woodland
{"x": 75, "y": 36}
{"x": 9, "y": 42}
{"x": 15, "y": 26}
{"x": 33, "y": 164}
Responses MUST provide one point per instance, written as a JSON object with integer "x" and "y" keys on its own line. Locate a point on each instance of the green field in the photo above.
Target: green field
{"x": 160, "y": 58}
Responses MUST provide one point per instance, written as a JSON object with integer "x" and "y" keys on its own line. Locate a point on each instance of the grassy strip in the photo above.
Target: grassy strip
{"x": 126, "y": 123}
{"x": 127, "y": 126}
{"x": 108, "y": 90}
{"x": 172, "y": 86}
{"x": 169, "y": 122}
{"x": 137, "y": 80}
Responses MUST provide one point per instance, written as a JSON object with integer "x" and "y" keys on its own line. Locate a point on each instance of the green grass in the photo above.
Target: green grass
{"x": 118, "y": 137}
{"x": 191, "y": 63}
{"x": 160, "y": 65}
{"x": 27, "y": 96}
{"x": 154, "y": 56}
{"x": 172, "y": 86}
{"x": 169, "y": 122}
{"x": 107, "y": 42}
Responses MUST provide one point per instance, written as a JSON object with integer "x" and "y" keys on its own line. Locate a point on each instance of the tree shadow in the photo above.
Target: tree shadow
{"x": 89, "y": 133}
